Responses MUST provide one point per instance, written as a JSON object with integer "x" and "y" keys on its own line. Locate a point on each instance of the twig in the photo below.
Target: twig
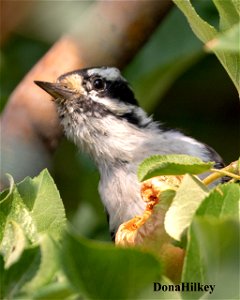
{"x": 231, "y": 171}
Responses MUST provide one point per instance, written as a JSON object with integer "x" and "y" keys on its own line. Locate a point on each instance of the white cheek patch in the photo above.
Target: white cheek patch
{"x": 113, "y": 105}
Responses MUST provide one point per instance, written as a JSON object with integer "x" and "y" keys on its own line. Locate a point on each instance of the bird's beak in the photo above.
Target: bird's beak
{"x": 54, "y": 89}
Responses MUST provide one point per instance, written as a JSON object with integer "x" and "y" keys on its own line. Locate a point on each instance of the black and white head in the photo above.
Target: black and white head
{"x": 94, "y": 103}
{"x": 99, "y": 112}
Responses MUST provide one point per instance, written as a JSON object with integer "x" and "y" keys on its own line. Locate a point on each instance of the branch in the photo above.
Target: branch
{"x": 109, "y": 33}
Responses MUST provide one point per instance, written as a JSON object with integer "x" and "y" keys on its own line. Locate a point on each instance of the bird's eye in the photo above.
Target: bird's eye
{"x": 98, "y": 84}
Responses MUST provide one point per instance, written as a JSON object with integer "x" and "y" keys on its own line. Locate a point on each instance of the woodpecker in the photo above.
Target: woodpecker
{"x": 100, "y": 114}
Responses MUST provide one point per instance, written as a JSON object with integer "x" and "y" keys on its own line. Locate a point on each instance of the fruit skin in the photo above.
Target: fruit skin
{"x": 147, "y": 231}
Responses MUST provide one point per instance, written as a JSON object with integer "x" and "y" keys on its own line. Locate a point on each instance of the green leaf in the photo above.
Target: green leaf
{"x": 57, "y": 290}
{"x": 223, "y": 201}
{"x": 228, "y": 40}
{"x": 31, "y": 215}
{"x": 201, "y": 28}
{"x": 206, "y": 244}
{"x": 16, "y": 223}
{"x": 48, "y": 265}
{"x": 102, "y": 271}
{"x": 212, "y": 257}
{"x": 185, "y": 203}
{"x": 23, "y": 270}
{"x": 29, "y": 209}
{"x": 5, "y": 194}
{"x": 13, "y": 243}
{"x": 236, "y": 5}
{"x": 172, "y": 164}
{"x": 35, "y": 268}
{"x": 229, "y": 15}
{"x": 156, "y": 73}
{"x": 44, "y": 202}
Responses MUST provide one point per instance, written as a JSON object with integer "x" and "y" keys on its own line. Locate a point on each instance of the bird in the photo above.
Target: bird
{"x": 98, "y": 111}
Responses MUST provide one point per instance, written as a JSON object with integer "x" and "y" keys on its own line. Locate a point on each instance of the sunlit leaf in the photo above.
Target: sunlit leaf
{"x": 185, "y": 203}
{"x": 223, "y": 201}
{"x": 171, "y": 165}
{"x": 15, "y": 223}
{"x": 228, "y": 13}
{"x": 32, "y": 220}
{"x": 228, "y": 40}
{"x": 42, "y": 198}
{"x": 205, "y": 32}
{"x": 13, "y": 243}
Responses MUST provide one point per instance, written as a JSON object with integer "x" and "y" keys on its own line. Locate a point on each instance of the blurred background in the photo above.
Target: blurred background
{"x": 172, "y": 76}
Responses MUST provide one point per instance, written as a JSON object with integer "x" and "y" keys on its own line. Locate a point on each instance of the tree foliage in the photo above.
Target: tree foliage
{"x": 41, "y": 254}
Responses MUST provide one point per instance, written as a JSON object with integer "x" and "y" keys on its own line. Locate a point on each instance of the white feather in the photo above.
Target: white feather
{"x": 107, "y": 73}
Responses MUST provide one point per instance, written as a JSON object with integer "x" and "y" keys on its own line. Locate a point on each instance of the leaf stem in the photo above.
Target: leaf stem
{"x": 231, "y": 171}
{"x": 226, "y": 173}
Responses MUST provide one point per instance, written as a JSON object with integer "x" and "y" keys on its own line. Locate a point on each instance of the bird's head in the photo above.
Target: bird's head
{"x": 93, "y": 91}
{"x": 96, "y": 103}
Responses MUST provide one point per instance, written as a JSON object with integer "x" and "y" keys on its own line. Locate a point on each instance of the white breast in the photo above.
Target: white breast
{"x": 120, "y": 193}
